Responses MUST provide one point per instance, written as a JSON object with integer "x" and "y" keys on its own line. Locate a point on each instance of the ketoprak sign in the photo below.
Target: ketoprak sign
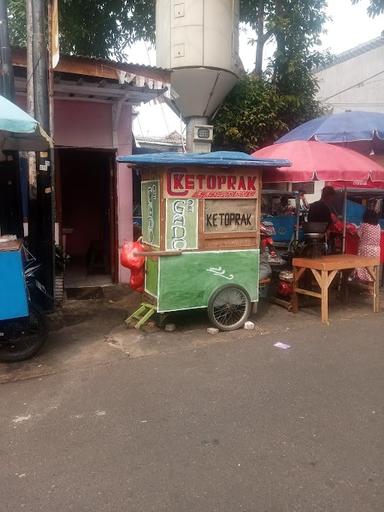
{"x": 183, "y": 183}
{"x": 222, "y": 215}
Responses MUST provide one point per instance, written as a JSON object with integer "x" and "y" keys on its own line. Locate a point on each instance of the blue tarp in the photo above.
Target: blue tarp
{"x": 343, "y": 127}
{"x": 355, "y": 212}
{"x": 218, "y": 159}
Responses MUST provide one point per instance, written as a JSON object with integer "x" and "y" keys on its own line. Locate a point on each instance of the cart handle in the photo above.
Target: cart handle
{"x": 157, "y": 253}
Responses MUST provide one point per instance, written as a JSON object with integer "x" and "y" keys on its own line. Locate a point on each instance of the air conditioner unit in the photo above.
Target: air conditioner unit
{"x": 203, "y": 133}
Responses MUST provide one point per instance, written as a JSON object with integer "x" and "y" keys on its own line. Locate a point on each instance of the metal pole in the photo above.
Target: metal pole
{"x": 345, "y": 219}
{"x": 31, "y": 111}
{"x": 33, "y": 232}
{"x": 51, "y": 110}
{"x": 7, "y": 85}
{"x": 30, "y": 91}
{"x": 50, "y": 74}
{"x": 44, "y": 223}
{"x": 297, "y": 230}
{"x": 32, "y": 174}
{"x": 40, "y": 62}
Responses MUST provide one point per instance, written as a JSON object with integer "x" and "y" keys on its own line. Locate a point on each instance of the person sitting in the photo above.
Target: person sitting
{"x": 323, "y": 210}
{"x": 369, "y": 244}
{"x": 284, "y": 207}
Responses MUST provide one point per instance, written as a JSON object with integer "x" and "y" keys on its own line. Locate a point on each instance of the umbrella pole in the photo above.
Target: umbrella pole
{"x": 297, "y": 219}
{"x": 344, "y": 220}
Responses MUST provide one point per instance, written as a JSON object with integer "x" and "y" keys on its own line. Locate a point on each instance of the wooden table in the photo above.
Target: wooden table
{"x": 324, "y": 269}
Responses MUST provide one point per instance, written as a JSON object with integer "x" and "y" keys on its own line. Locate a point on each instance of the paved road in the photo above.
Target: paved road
{"x": 232, "y": 426}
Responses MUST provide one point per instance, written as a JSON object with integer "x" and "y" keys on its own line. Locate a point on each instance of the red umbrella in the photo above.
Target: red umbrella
{"x": 319, "y": 161}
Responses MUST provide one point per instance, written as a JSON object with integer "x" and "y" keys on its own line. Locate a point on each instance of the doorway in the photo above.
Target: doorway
{"x": 10, "y": 199}
{"x": 86, "y": 208}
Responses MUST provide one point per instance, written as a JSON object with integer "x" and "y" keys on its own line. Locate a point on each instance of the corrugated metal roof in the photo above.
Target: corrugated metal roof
{"x": 88, "y": 90}
{"x": 354, "y": 52}
{"x": 19, "y": 58}
{"x": 215, "y": 159}
{"x": 117, "y": 64}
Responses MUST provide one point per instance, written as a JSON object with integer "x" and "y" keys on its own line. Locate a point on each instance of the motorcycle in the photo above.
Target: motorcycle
{"x": 267, "y": 230}
{"x": 268, "y": 256}
{"x": 22, "y": 338}
{"x": 270, "y": 259}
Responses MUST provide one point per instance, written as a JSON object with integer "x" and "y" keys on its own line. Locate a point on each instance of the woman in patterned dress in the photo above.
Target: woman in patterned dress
{"x": 369, "y": 245}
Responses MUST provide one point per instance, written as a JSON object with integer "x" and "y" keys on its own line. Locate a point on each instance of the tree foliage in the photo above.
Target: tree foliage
{"x": 265, "y": 105}
{"x": 295, "y": 25}
{"x": 375, "y": 7}
{"x": 93, "y": 28}
{"x": 256, "y": 113}
{"x": 105, "y": 27}
{"x": 249, "y": 117}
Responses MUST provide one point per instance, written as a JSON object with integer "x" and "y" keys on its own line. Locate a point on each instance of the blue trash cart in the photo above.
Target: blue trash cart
{"x": 13, "y": 290}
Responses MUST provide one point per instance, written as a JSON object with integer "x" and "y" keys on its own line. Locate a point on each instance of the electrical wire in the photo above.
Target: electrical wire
{"x": 353, "y": 86}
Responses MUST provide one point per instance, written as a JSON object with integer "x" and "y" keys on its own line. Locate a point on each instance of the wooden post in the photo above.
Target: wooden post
{"x": 7, "y": 83}
{"x": 374, "y": 272}
{"x": 324, "y": 296}
{"x": 295, "y": 296}
{"x": 344, "y": 286}
{"x": 43, "y": 237}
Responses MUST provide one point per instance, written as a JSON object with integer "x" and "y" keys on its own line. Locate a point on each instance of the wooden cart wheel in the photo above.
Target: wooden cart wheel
{"x": 229, "y": 307}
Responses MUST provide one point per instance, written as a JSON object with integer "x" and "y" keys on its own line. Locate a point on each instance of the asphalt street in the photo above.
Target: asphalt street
{"x": 225, "y": 424}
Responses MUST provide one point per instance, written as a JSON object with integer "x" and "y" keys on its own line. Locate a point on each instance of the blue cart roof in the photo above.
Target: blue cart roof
{"x": 218, "y": 159}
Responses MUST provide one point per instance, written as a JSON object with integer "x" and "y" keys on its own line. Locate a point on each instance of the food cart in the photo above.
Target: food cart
{"x": 200, "y": 229}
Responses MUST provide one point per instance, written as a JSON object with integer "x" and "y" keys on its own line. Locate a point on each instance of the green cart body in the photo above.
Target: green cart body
{"x": 190, "y": 280}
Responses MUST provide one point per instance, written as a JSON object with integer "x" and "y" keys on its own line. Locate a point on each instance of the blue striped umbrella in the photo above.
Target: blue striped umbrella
{"x": 358, "y": 130}
{"x": 19, "y": 131}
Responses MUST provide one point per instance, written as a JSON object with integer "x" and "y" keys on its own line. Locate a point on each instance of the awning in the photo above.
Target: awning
{"x": 19, "y": 131}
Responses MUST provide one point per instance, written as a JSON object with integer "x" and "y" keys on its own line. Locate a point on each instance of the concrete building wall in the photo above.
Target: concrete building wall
{"x": 355, "y": 83}
{"x": 83, "y": 124}
{"x": 124, "y": 185}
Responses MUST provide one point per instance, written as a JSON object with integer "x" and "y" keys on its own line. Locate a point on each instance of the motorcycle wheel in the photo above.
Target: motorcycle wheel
{"x": 25, "y": 337}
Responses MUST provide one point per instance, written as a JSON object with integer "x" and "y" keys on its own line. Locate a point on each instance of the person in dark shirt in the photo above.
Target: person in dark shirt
{"x": 322, "y": 210}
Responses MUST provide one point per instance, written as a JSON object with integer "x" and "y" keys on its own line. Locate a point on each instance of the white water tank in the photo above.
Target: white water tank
{"x": 199, "y": 41}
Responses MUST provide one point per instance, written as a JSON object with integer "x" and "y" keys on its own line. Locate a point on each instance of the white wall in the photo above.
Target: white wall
{"x": 319, "y": 185}
{"x": 355, "y": 84}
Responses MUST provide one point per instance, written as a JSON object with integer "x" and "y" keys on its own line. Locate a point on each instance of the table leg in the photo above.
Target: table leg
{"x": 344, "y": 292}
{"x": 295, "y": 297}
{"x": 374, "y": 272}
{"x": 376, "y": 289}
{"x": 324, "y": 296}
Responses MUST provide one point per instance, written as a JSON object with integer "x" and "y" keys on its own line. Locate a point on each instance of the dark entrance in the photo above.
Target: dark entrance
{"x": 10, "y": 199}
{"x": 86, "y": 184}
